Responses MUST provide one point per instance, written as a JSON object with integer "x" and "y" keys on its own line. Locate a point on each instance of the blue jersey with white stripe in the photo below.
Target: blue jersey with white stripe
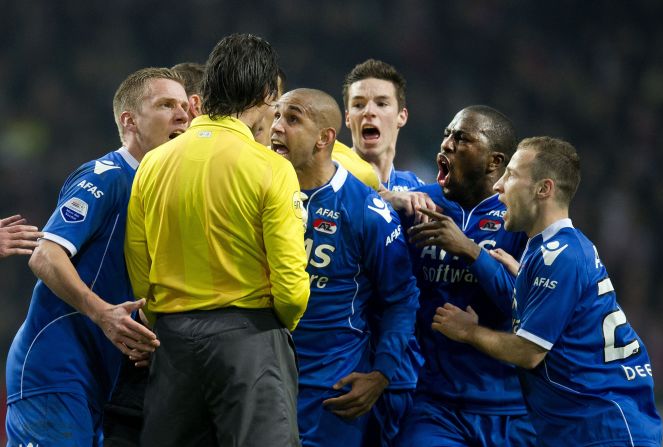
{"x": 57, "y": 349}
{"x": 456, "y": 373}
{"x": 357, "y": 253}
{"x": 595, "y": 386}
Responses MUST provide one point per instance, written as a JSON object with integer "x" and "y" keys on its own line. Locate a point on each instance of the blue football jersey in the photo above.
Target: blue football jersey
{"x": 57, "y": 349}
{"x": 402, "y": 181}
{"x": 456, "y": 373}
{"x": 595, "y": 385}
{"x": 405, "y": 377}
{"x": 356, "y": 253}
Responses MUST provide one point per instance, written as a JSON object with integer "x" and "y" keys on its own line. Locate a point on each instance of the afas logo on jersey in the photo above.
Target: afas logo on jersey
{"x": 490, "y": 225}
{"x": 324, "y": 226}
{"x": 91, "y": 188}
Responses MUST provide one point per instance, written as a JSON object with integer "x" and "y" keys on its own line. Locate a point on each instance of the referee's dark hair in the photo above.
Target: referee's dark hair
{"x": 241, "y": 71}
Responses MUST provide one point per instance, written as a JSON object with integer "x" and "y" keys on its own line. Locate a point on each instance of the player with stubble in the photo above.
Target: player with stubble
{"x": 586, "y": 374}
{"x": 357, "y": 256}
{"x": 465, "y": 397}
{"x": 65, "y": 358}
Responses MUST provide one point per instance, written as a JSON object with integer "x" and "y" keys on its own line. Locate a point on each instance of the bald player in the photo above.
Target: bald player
{"x": 356, "y": 255}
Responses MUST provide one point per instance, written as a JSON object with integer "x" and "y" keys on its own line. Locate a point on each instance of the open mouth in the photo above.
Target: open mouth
{"x": 370, "y": 132}
{"x": 280, "y": 148}
{"x": 176, "y": 133}
{"x": 444, "y": 167}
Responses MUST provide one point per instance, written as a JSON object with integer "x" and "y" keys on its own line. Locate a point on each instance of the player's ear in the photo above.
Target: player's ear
{"x": 326, "y": 137}
{"x": 496, "y": 161}
{"x": 195, "y": 105}
{"x": 402, "y": 118}
{"x": 347, "y": 119}
{"x": 545, "y": 188}
{"x": 127, "y": 120}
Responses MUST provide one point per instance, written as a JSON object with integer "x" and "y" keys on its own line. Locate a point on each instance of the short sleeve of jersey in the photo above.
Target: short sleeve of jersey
{"x": 86, "y": 202}
{"x": 554, "y": 287}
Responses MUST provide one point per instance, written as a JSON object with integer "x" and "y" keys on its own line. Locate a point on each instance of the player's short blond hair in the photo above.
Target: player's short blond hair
{"x": 134, "y": 89}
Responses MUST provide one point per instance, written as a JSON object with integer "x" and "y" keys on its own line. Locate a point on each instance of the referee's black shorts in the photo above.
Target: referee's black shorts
{"x": 225, "y": 377}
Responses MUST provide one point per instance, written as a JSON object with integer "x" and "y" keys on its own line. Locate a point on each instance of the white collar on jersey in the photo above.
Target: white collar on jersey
{"x": 555, "y": 227}
{"x": 339, "y": 177}
{"x": 131, "y": 161}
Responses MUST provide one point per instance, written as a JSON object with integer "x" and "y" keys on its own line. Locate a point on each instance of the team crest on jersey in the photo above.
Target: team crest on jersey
{"x": 101, "y": 166}
{"x": 74, "y": 210}
{"x": 490, "y": 225}
{"x": 324, "y": 226}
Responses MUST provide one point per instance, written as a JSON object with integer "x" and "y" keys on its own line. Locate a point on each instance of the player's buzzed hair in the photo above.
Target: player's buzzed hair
{"x": 134, "y": 88}
{"x": 373, "y": 68}
{"x": 326, "y": 112}
{"x": 557, "y": 160}
{"x": 501, "y": 133}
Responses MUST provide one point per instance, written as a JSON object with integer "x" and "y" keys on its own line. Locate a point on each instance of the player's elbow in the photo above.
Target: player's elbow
{"x": 531, "y": 360}
{"x": 37, "y": 261}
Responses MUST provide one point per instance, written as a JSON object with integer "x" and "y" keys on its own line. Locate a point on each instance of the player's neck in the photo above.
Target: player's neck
{"x": 135, "y": 149}
{"x": 382, "y": 163}
{"x": 316, "y": 175}
{"x": 547, "y": 215}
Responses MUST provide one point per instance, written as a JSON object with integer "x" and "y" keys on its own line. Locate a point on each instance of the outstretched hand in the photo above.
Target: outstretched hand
{"x": 129, "y": 336}
{"x": 442, "y": 231}
{"x": 17, "y": 238}
{"x": 505, "y": 258}
{"x": 366, "y": 389}
{"x": 410, "y": 203}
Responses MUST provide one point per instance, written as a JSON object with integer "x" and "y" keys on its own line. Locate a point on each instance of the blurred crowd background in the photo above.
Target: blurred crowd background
{"x": 590, "y": 72}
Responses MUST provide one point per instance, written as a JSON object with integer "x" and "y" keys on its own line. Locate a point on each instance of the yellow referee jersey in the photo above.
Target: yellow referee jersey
{"x": 351, "y": 161}
{"x": 215, "y": 220}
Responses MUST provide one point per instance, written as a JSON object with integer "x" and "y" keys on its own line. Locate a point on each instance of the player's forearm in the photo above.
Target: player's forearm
{"x": 396, "y": 328}
{"x": 506, "y": 346}
{"x": 495, "y": 280}
{"x": 51, "y": 264}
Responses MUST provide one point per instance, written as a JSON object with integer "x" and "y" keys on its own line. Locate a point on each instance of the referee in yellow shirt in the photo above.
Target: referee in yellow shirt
{"x": 215, "y": 245}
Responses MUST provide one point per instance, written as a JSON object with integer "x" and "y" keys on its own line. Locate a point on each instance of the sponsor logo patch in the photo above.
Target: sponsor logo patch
{"x": 324, "y": 226}
{"x": 490, "y": 225}
{"x": 74, "y": 210}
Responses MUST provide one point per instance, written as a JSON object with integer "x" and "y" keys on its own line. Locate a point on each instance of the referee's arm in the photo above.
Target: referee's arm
{"x": 283, "y": 233}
